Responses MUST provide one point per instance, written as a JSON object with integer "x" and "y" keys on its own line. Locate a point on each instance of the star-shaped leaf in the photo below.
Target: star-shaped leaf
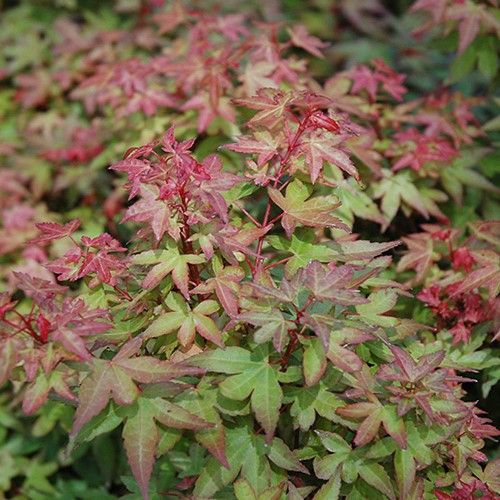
{"x": 320, "y": 147}
{"x": 116, "y": 377}
{"x": 187, "y": 321}
{"x": 315, "y": 212}
{"x": 167, "y": 261}
{"x": 252, "y": 376}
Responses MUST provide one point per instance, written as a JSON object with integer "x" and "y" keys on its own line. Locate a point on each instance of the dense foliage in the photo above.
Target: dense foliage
{"x": 239, "y": 261}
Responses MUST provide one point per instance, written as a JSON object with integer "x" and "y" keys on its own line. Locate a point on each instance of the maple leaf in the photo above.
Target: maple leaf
{"x": 395, "y": 189}
{"x": 300, "y": 38}
{"x": 150, "y": 208}
{"x": 332, "y": 284}
{"x": 208, "y": 188}
{"x": 320, "y": 147}
{"x": 257, "y": 75}
{"x": 379, "y": 303}
{"x": 488, "y": 274}
{"x": 167, "y": 261}
{"x": 333, "y": 341}
{"x": 187, "y": 321}
{"x": 303, "y": 248}
{"x": 264, "y": 143}
{"x": 224, "y": 284}
{"x": 469, "y": 17}
{"x": 102, "y": 263}
{"x": 297, "y": 209}
{"x": 364, "y": 78}
{"x": 141, "y": 437}
{"x": 245, "y": 453}
{"x": 375, "y": 414}
{"x": 252, "y": 376}
{"x": 272, "y": 105}
{"x": 406, "y": 370}
{"x": 170, "y": 19}
{"x": 116, "y": 377}
{"x": 203, "y": 402}
{"x": 420, "y": 256}
{"x": 38, "y": 288}
{"x": 133, "y": 166}
{"x": 53, "y": 231}
{"x": 37, "y": 392}
{"x": 272, "y": 326}
{"x": 306, "y": 402}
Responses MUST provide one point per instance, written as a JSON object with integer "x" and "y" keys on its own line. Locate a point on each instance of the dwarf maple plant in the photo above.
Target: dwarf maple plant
{"x": 240, "y": 339}
{"x": 276, "y": 350}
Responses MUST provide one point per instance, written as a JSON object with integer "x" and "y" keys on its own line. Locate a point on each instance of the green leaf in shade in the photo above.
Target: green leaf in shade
{"x": 102, "y": 423}
{"x": 243, "y": 490}
{"x": 283, "y": 457}
{"x": 326, "y": 467}
{"x": 309, "y": 401}
{"x": 245, "y": 452}
{"x": 333, "y": 442}
{"x": 405, "y": 467}
{"x": 375, "y": 475}
{"x": 382, "y": 448}
{"x": 202, "y": 403}
{"x": 416, "y": 444}
{"x": 140, "y": 434}
{"x": 331, "y": 489}
{"x": 380, "y": 303}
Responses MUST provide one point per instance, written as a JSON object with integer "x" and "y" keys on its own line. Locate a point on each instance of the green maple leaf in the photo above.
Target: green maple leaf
{"x": 395, "y": 189}
{"x": 202, "y": 402}
{"x": 315, "y": 212}
{"x": 246, "y": 452}
{"x": 141, "y": 436}
{"x": 304, "y": 249}
{"x": 167, "y": 261}
{"x": 379, "y": 303}
{"x": 272, "y": 325}
{"x": 461, "y": 173}
{"x": 187, "y": 321}
{"x": 252, "y": 376}
{"x": 307, "y": 402}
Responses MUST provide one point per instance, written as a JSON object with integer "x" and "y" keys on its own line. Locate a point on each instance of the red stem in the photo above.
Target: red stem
{"x": 283, "y": 164}
{"x": 274, "y": 264}
{"x": 247, "y": 214}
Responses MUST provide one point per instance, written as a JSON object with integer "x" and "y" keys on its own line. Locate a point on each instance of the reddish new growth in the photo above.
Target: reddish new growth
{"x": 458, "y": 314}
{"x": 468, "y": 492}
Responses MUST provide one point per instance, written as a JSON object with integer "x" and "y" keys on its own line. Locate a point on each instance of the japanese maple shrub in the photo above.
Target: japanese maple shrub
{"x": 239, "y": 339}
{"x": 246, "y": 325}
